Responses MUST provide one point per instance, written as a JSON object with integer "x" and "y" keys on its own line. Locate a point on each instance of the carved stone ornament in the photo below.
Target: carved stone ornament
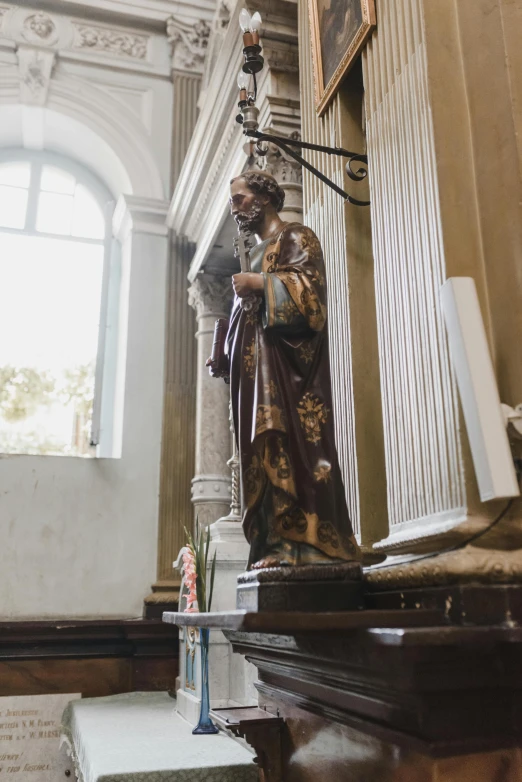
{"x": 110, "y": 41}
{"x": 189, "y": 44}
{"x": 280, "y": 165}
{"x": 280, "y": 58}
{"x": 211, "y": 294}
{"x": 35, "y": 67}
{"x": 40, "y": 29}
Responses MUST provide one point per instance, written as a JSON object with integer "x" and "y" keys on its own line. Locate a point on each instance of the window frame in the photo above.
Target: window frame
{"x": 37, "y": 160}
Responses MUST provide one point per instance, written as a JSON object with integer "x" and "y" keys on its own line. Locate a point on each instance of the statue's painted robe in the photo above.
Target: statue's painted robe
{"x": 291, "y": 483}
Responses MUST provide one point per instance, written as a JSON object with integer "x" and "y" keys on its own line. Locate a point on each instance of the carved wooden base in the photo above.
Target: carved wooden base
{"x": 437, "y": 691}
{"x": 467, "y": 565}
{"x": 462, "y": 604}
{"x": 261, "y": 729}
{"x": 306, "y": 588}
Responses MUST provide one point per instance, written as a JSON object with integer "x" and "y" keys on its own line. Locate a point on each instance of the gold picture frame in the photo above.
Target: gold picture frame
{"x": 339, "y": 29}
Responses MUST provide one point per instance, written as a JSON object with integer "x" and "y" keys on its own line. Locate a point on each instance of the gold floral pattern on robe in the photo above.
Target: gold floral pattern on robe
{"x": 307, "y": 353}
{"x": 313, "y": 414}
{"x": 303, "y": 527}
{"x": 253, "y": 480}
{"x": 250, "y": 359}
{"x": 269, "y": 417}
{"x": 278, "y": 466}
{"x": 271, "y": 390}
{"x": 304, "y": 282}
{"x": 323, "y": 473}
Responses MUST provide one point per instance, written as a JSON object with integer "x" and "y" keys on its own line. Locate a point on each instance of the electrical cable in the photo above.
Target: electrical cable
{"x": 456, "y": 547}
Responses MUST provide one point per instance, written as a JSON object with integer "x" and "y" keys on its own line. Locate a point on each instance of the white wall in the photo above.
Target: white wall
{"x": 78, "y": 537}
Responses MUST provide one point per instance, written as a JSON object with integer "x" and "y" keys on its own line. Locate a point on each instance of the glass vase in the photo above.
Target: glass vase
{"x": 205, "y": 724}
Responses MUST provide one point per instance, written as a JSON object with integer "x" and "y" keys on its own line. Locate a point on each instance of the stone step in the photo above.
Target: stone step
{"x": 141, "y": 737}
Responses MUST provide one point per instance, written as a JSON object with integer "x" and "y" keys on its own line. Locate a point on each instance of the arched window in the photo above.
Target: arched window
{"x": 52, "y": 237}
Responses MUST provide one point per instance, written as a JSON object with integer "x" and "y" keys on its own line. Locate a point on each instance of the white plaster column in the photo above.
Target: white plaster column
{"x": 211, "y": 297}
{"x": 139, "y": 225}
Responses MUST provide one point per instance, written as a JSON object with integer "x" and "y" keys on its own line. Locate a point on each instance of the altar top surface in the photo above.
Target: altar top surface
{"x": 291, "y": 622}
{"x": 420, "y": 627}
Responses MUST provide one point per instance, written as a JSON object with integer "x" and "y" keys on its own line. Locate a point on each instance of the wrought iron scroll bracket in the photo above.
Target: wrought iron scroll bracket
{"x": 285, "y": 144}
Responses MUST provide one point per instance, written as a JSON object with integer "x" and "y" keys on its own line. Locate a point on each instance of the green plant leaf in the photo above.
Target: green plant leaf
{"x": 207, "y": 548}
{"x": 201, "y": 572}
{"x": 212, "y": 574}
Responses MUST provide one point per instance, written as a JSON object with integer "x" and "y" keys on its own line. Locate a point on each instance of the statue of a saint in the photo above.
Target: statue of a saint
{"x": 294, "y": 506}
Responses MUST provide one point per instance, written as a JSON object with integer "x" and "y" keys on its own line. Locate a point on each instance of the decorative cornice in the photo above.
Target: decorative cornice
{"x": 189, "y": 44}
{"x": 110, "y": 41}
{"x": 39, "y": 28}
{"x": 64, "y": 34}
{"x": 151, "y": 14}
{"x": 281, "y": 57}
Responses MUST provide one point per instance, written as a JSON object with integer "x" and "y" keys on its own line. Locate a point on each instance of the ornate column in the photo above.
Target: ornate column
{"x": 289, "y": 174}
{"x": 188, "y": 46}
{"x": 211, "y": 297}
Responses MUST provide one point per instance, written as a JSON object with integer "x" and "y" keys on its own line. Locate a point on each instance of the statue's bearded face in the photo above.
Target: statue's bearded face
{"x": 247, "y": 208}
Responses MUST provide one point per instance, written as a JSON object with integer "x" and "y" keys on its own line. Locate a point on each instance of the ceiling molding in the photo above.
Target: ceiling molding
{"x": 150, "y": 15}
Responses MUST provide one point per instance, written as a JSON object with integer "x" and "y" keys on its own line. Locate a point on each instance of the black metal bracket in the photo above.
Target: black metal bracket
{"x": 285, "y": 144}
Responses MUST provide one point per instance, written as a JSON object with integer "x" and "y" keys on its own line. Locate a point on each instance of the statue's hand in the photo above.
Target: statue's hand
{"x": 248, "y": 283}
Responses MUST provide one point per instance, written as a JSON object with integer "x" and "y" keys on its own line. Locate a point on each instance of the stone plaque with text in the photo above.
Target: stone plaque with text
{"x": 30, "y": 739}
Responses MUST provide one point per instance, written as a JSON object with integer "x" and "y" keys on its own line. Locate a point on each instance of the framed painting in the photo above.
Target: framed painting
{"x": 339, "y": 30}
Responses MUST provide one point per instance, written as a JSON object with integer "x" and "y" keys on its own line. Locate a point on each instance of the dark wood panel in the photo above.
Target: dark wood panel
{"x": 440, "y": 691}
{"x": 90, "y": 677}
{"x": 96, "y": 658}
{"x": 97, "y": 638}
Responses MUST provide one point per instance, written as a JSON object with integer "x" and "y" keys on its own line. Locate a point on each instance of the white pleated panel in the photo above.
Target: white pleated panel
{"x": 324, "y": 213}
{"x": 423, "y": 459}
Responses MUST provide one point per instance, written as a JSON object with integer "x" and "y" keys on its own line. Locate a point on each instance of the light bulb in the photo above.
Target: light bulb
{"x": 242, "y": 80}
{"x": 256, "y": 22}
{"x": 244, "y": 20}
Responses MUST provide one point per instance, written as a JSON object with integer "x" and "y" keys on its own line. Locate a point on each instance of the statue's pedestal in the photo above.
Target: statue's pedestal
{"x": 231, "y": 677}
{"x": 407, "y": 692}
{"x": 228, "y": 541}
{"x": 305, "y": 588}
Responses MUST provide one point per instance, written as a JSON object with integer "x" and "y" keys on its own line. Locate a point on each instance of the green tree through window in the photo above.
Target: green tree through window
{"x": 51, "y": 268}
